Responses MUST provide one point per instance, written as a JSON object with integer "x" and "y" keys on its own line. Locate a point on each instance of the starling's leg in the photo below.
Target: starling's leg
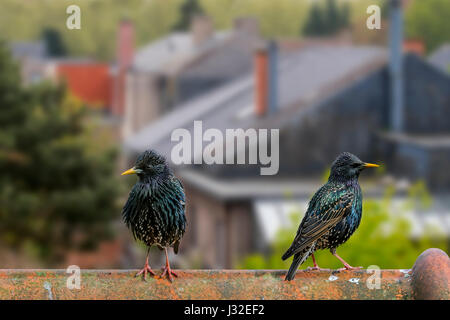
{"x": 146, "y": 268}
{"x": 316, "y": 266}
{"x": 167, "y": 269}
{"x": 346, "y": 265}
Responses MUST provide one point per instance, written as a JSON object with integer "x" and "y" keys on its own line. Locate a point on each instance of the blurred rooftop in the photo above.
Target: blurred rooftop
{"x": 306, "y": 76}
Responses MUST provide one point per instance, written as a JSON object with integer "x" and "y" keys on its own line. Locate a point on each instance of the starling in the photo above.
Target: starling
{"x": 155, "y": 209}
{"x": 333, "y": 214}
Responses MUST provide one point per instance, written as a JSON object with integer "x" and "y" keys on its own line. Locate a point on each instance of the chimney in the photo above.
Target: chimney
{"x": 248, "y": 25}
{"x": 396, "y": 104}
{"x": 266, "y": 79}
{"x": 124, "y": 56}
{"x": 201, "y": 29}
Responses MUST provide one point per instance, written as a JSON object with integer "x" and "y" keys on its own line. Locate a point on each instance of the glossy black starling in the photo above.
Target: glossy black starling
{"x": 333, "y": 214}
{"x": 155, "y": 209}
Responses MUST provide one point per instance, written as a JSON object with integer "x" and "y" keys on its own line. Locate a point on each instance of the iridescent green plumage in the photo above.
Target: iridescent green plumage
{"x": 333, "y": 214}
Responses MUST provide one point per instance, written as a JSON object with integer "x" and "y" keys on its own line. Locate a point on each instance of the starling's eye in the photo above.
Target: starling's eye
{"x": 355, "y": 165}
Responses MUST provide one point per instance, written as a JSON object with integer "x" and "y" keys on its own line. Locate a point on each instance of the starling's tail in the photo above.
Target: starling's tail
{"x": 299, "y": 258}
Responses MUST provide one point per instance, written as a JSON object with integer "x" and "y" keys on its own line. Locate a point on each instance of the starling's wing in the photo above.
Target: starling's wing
{"x": 327, "y": 208}
{"x": 135, "y": 205}
{"x": 180, "y": 191}
{"x": 182, "y": 202}
{"x": 175, "y": 246}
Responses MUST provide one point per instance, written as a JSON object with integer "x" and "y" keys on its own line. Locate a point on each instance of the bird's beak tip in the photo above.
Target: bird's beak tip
{"x": 129, "y": 171}
{"x": 370, "y": 165}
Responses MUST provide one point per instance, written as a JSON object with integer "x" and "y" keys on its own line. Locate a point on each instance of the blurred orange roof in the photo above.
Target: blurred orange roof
{"x": 88, "y": 81}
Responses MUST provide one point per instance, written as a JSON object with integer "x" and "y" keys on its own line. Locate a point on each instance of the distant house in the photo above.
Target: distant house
{"x": 32, "y": 59}
{"x": 182, "y": 65}
{"x": 441, "y": 58}
{"x": 86, "y": 79}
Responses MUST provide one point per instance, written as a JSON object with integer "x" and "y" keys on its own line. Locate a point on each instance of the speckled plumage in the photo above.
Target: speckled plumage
{"x": 155, "y": 209}
{"x": 333, "y": 215}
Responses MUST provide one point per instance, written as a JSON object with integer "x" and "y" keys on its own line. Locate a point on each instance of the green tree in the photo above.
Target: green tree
{"x": 344, "y": 18}
{"x": 380, "y": 239}
{"x": 332, "y": 17}
{"x": 327, "y": 20}
{"x": 315, "y": 25}
{"x": 53, "y": 42}
{"x": 188, "y": 9}
{"x": 57, "y": 189}
{"x": 428, "y": 21}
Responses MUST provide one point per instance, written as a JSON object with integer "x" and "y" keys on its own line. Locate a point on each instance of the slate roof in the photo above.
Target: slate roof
{"x": 441, "y": 58}
{"x": 167, "y": 54}
{"x": 340, "y": 90}
{"x": 305, "y": 77}
{"x": 36, "y": 50}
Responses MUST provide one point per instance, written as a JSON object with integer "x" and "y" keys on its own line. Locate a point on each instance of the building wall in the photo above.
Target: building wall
{"x": 346, "y": 122}
{"x": 142, "y": 101}
{"x": 439, "y": 176}
{"x": 219, "y": 233}
{"x": 353, "y": 119}
{"x": 427, "y": 98}
{"x": 415, "y": 160}
{"x": 241, "y": 226}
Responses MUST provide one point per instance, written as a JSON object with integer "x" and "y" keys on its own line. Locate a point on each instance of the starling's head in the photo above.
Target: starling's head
{"x": 149, "y": 165}
{"x": 348, "y": 166}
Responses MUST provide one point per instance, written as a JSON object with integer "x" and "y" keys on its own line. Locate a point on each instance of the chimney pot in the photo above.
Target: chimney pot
{"x": 266, "y": 78}
{"x": 125, "y": 53}
{"x": 125, "y": 45}
{"x": 261, "y": 66}
{"x": 202, "y": 29}
{"x": 249, "y": 25}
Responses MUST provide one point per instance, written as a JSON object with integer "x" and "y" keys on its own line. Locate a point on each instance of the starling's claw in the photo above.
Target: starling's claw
{"x": 167, "y": 271}
{"x": 145, "y": 270}
{"x": 346, "y": 265}
{"x": 316, "y": 268}
{"x": 349, "y": 267}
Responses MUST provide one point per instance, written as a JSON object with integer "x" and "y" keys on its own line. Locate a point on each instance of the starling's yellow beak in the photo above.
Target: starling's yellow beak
{"x": 129, "y": 171}
{"x": 370, "y": 165}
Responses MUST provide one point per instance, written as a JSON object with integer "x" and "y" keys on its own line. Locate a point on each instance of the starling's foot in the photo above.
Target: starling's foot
{"x": 346, "y": 265}
{"x": 169, "y": 272}
{"x": 315, "y": 268}
{"x": 349, "y": 267}
{"x": 144, "y": 271}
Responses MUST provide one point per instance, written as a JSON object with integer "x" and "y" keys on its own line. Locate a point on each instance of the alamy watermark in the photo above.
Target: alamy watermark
{"x": 374, "y": 281}
{"x": 374, "y": 20}
{"x": 74, "y": 280}
{"x": 231, "y": 148}
{"x": 74, "y": 20}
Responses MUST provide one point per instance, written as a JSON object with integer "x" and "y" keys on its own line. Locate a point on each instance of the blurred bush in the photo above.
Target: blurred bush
{"x": 382, "y": 239}
{"x": 56, "y": 171}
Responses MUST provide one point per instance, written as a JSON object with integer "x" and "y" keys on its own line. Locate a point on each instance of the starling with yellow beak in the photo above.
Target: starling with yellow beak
{"x": 155, "y": 209}
{"x": 333, "y": 214}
